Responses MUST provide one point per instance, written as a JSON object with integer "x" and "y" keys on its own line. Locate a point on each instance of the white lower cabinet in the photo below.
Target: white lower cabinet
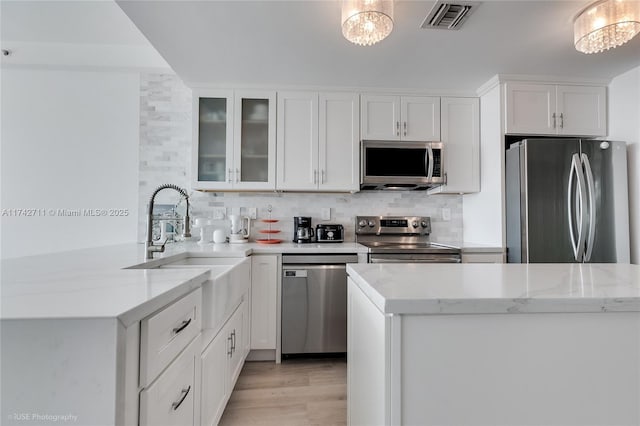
{"x": 214, "y": 377}
{"x": 172, "y": 399}
{"x": 222, "y": 361}
{"x": 264, "y": 287}
{"x": 489, "y": 257}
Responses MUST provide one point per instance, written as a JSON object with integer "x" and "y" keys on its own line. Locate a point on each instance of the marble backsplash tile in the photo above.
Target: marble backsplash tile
{"x": 165, "y": 157}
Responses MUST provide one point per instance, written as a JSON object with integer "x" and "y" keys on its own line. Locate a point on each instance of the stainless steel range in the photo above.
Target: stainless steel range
{"x": 402, "y": 239}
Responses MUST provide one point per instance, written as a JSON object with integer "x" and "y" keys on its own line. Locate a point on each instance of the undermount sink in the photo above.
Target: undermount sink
{"x": 203, "y": 262}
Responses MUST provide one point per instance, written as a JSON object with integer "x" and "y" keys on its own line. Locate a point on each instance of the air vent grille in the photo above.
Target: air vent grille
{"x": 448, "y": 16}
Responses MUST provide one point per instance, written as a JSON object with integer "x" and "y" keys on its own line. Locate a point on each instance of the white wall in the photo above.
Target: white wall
{"x": 624, "y": 124}
{"x": 69, "y": 141}
{"x": 482, "y": 212}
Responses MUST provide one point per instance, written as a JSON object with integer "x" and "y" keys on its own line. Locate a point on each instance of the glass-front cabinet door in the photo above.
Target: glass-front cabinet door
{"x": 255, "y": 140}
{"x": 234, "y": 140}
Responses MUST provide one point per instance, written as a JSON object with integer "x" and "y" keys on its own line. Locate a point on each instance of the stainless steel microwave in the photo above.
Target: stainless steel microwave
{"x": 399, "y": 165}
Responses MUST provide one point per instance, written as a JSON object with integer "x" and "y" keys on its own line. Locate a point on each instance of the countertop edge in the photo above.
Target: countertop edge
{"x": 148, "y": 307}
{"x": 402, "y": 305}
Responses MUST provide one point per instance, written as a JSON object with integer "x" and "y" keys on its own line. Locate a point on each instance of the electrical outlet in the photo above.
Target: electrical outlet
{"x": 446, "y": 214}
{"x": 326, "y": 213}
{"x": 219, "y": 212}
{"x": 252, "y": 212}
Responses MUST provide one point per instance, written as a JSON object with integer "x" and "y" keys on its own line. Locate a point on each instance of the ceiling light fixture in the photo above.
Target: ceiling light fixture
{"x": 366, "y": 22}
{"x": 606, "y": 24}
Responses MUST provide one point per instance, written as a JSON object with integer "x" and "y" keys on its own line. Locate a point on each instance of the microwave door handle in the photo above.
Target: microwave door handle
{"x": 428, "y": 162}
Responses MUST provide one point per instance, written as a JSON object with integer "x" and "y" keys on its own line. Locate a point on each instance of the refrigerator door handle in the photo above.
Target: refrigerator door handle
{"x": 592, "y": 207}
{"x": 579, "y": 213}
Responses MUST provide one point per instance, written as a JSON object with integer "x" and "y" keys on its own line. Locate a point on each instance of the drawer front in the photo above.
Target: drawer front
{"x": 164, "y": 334}
{"x": 171, "y": 400}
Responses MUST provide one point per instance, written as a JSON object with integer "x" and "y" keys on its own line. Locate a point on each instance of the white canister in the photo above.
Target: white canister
{"x": 219, "y": 236}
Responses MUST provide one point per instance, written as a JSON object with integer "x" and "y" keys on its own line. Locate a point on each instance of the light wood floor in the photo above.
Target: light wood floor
{"x": 296, "y": 392}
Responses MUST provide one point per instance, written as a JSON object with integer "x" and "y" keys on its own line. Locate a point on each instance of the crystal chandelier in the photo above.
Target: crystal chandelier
{"x": 366, "y": 22}
{"x": 606, "y": 24}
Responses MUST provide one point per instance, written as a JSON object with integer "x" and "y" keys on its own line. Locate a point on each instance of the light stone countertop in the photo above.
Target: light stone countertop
{"x": 499, "y": 288}
{"x": 116, "y": 281}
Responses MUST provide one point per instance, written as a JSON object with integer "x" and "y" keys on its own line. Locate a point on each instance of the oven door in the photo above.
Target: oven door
{"x": 414, "y": 258}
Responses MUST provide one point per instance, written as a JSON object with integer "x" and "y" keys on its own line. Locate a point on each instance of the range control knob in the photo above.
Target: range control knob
{"x": 414, "y": 224}
{"x": 362, "y": 223}
{"x": 372, "y": 224}
{"x": 423, "y": 224}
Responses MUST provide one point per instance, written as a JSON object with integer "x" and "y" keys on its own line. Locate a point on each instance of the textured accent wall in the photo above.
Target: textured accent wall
{"x": 165, "y": 157}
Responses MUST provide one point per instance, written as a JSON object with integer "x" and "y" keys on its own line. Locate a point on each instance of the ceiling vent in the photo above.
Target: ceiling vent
{"x": 449, "y": 16}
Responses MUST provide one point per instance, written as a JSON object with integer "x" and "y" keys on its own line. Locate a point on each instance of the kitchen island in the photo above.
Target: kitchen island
{"x": 494, "y": 344}
{"x": 94, "y": 336}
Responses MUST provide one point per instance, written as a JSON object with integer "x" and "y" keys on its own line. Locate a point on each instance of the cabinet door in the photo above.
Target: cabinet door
{"x": 420, "y": 118}
{"x": 530, "y": 109}
{"x": 236, "y": 359}
{"x": 212, "y": 153}
{"x": 297, "y": 141}
{"x": 254, "y": 151}
{"x": 264, "y": 287}
{"x": 583, "y": 110}
{"x": 339, "y": 157}
{"x": 215, "y": 390}
{"x": 380, "y": 117}
{"x": 171, "y": 399}
{"x": 461, "y": 139}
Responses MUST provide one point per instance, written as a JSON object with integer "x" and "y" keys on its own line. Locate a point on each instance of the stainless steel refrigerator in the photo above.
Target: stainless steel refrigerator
{"x": 567, "y": 201}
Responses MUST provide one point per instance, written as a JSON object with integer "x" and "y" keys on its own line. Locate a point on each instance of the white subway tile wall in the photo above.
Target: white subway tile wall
{"x": 165, "y": 157}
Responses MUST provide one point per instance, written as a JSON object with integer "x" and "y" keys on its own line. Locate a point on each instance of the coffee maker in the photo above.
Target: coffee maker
{"x": 302, "y": 230}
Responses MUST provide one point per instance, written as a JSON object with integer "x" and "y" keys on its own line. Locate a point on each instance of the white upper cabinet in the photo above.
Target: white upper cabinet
{"x": 412, "y": 118}
{"x": 380, "y": 118}
{"x": 234, "y": 140}
{"x": 420, "y": 118}
{"x": 297, "y": 141}
{"x": 461, "y": 140}
{"x": 339, "y": 160}
{"x": 583, "y": 110}
{"x": 547, "y": 109}
{"x": 317, "y": 142}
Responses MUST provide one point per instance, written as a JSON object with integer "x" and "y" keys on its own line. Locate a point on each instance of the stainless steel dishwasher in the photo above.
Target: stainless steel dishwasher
{"x": 314, "y": 303}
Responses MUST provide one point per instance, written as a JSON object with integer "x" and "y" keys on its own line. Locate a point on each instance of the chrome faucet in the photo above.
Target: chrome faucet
{"x": 150, "y": 248}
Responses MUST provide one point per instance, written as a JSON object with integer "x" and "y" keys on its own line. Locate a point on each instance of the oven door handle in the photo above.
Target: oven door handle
{"x": 439, "y": 259}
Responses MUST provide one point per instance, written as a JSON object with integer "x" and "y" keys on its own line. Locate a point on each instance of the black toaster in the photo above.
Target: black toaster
{"x": 326, "y": 233}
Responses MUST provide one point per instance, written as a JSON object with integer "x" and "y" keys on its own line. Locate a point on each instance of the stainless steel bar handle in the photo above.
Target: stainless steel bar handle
{"x": 237, "y": 175}
{"x": 182, "y": 326}
{"x": 230, "y": 351}
{"x": 233, "y": 340}
{"x": 591, "y": 189}
{"x": 577, "y": 214}
{"x": 397, "y": 128}
{"x": 405, "y": 128}
{"x": 429, "y": 162}
{"x": 442, "y": 259}
{"x": 184, "y": 394}
{"x": 315, "y": 176}
{"x": 323, "y": 179}
{"x": 229, "y": 176}
{"x": 554, "y": 119}
{"x": 561, "y": 120}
